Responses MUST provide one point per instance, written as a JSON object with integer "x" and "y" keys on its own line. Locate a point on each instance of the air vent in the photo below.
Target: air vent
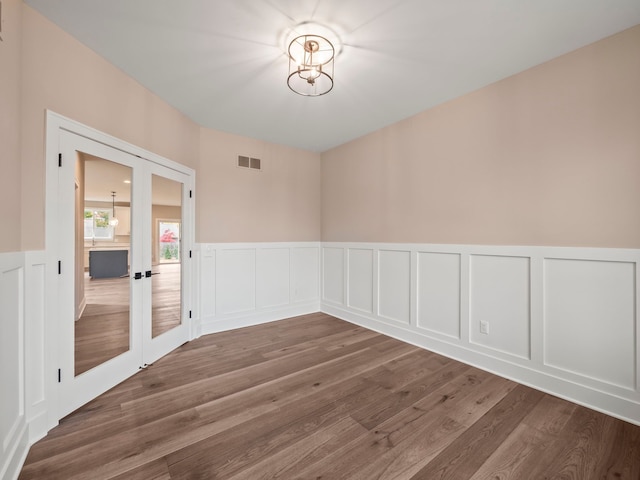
{"x": 249, "y": 162}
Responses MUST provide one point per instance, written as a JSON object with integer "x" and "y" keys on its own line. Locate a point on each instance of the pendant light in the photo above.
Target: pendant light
{"x": 114, "y": 221}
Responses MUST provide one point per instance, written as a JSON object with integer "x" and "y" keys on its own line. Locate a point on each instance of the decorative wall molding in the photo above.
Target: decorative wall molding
{"x": 35, "y": 331}
{"x": 251, "y": 283}
{"x": 22, "y": 402}
{"x": 13, "y": 424}
{"x": 563, "y": 320}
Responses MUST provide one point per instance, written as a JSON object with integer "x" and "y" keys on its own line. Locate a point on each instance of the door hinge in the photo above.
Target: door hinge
{"x": 59, "y": 267}
{"x": 59, "y": 375}
{"x": 59, "y": 159}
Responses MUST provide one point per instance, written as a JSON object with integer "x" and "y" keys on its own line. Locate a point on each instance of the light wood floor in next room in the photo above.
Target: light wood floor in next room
{"x": 313, "y": 398}
{"x": 102, "y": 332}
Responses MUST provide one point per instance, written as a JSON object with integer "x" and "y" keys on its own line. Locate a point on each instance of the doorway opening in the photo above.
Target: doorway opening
{"x": 116, "y": 307}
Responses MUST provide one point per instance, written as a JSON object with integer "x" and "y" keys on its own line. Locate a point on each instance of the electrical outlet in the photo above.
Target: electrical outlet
{"x": 484, "y": 328}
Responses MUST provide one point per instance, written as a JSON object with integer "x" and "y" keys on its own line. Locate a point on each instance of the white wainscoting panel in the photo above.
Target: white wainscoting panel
{"x": 360, "y": 279}
{"x": 394, "y": 285}
{"x": 499, "y": 298}
{"x": 439, "y": 293}
{"x": 250, "y": 283}
{"x": 205, "y": 298}
{"x": 13, "y": 425}
{"x": 35, "y": 362}
{"x": 237, "y": 293}
{"x": 305, "y": 278}
{"x": 563, "y": 320}
{"x": 589, "y": 319}
{"x": 12, "y": 348}
{"x": 333, "y": 275}
{"x": 273, "y": 277}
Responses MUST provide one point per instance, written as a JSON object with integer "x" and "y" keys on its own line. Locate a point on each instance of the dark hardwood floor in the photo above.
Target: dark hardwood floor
{"x": 314, "y": 397}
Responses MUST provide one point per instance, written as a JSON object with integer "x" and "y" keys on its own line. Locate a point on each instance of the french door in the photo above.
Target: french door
{"x": 119, "y": 307}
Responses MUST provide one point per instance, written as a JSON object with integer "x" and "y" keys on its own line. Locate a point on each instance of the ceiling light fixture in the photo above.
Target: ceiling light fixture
{"x": 311, "y": 59}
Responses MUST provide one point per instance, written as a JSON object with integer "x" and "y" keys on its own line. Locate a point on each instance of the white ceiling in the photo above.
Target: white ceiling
{"x": 223, "y": 62}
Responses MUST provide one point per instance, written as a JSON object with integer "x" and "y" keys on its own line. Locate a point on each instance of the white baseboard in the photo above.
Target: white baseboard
{"x": 16, "y": 455}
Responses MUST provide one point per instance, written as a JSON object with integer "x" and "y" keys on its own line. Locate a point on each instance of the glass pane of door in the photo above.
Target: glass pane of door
{"x": 102, "y": 258}
{"x": 166, "y": 288}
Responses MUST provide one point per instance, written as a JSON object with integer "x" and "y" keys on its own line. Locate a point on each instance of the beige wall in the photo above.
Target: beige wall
{"x": 550, "y": 156}
{"x": 279, "y": 203}
{"x": 10, "y": 125}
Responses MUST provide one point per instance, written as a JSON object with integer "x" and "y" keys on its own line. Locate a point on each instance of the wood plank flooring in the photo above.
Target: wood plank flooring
{"x": 317, "y": 398}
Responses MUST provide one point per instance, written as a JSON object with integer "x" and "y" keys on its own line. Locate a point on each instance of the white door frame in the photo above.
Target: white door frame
{"x": 55, "y": 124}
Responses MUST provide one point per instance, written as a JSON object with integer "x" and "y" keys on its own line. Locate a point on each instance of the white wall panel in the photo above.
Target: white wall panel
{"x": 11, "y": 346}
{"x": 333, "y": 275}
{"x": 35, "y": 363}
{"x": 207, "y": 282}
{"x": 499, "y": 296}
{"x": 439, "y": 293}
{"x": 12, "y": 369}
{"x": 305, "y": 274}
{"x": 394, "y": 285}
{"x": 360, "y": 279}
{"x": 246, "y": 284}
{"x": 272, "y": 277}
{"x": 589, "y": 319}
{"x": 235, "y": 280}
